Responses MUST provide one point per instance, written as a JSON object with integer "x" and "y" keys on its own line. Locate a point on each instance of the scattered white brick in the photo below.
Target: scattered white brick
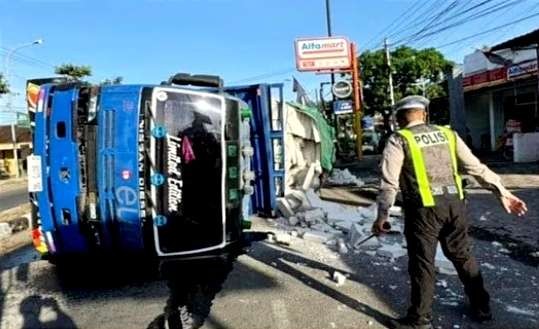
{"x": 284, "y": 207}
{"x": 442, "y": 283}
{"x": 283, "y": 238}
{"x": 392, "y": 251}
{"x": 488, "y": 265}
{"x": 293, "y": 221}
{"x": 313, "y": 215}
{"x": 516, "y": 310}
{"x": 314, "y": 236}
{"x": 341, "y": 247}
{"x": 339, "y": 278}
{"x": 504, "y": 251}
{"x": 5, "y": 230}
{"x": 344, "y": 177}
{"x": 496, "y": 244}
{"x": 331, "y": 243}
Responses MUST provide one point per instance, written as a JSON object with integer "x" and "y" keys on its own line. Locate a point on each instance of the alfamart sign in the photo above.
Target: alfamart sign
{"x": 318, "y": 54}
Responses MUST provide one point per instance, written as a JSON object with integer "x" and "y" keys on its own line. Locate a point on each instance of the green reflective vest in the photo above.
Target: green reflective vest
{"x": 416, "y": 151}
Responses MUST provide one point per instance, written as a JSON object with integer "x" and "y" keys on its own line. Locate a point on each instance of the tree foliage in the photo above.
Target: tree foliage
{"x": 4, "y": 87}
{"x": 114, "y": 81}
{"x": 75, "y": 72}
{"x": 409, "y": 66}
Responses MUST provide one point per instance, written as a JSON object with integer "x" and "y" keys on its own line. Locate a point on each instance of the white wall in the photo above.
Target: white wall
{"x": 477, "y": 62}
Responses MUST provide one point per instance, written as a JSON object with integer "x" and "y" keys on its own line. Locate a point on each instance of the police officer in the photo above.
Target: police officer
{"x": 424, "y": 160}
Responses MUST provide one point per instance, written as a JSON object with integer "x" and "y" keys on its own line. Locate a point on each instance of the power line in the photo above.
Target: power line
{"x": 395, "y": 22}
{"x": 493, "y": 21}
{"x": 24, "y": 59}
{"x": 412, "y": 21}
{"x": 488, "y": 31}
{"x": 432, "y": 38}
{"x": 472, "y": 17}
{"x": 265, "y": 75}
{"x": 443, "y": 12}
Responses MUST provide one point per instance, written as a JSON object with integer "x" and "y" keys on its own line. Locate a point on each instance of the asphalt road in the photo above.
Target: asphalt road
{"x": 13, "y": 197}
{"x": 269, "y": 287}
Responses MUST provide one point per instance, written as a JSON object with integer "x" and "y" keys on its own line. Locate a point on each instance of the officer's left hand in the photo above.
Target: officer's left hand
{"x": 513, "y": 205}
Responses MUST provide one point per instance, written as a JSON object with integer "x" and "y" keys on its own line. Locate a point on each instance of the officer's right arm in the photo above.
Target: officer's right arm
{"x": 390, "y": 166}
{"x": 488, "y": 179}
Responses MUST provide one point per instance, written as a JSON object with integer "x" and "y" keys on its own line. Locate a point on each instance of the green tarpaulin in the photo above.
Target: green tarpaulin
{"x": 327, "y": 134}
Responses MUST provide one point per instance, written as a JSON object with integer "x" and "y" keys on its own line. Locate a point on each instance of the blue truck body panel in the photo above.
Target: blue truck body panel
{"x": 40, "y": 149}
{"x": 269, "y": 179}
{"x": 118, "y": 175}
{"x": 64, "y": 170}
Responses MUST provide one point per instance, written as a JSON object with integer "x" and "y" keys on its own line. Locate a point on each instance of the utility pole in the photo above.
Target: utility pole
{"x": 10, "y": 54}
{"x": 388, "y": 63}
{"x": 330, "y": 33}
{"x": 422, "y": 84}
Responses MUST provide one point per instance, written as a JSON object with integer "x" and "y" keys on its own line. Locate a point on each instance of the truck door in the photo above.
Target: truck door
{"x": 187, "y": 172}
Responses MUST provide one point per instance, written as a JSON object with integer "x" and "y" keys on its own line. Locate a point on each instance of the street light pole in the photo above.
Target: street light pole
{"x": 330, "y": 33}
{"x": 328, "y": 18}
{"x": 7, "y": 62}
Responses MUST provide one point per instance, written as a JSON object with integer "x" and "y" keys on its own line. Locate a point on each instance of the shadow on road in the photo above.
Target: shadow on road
{"x": 192, "y": 287}
{"x": 43, "y": 313}
{"x": 313, "y": 283}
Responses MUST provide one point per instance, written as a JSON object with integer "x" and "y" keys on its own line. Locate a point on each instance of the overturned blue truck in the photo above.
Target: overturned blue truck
{"x": 174, "y": 169}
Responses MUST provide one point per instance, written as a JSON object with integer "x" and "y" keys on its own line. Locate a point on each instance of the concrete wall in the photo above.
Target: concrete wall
{"x": 526, "y": 147}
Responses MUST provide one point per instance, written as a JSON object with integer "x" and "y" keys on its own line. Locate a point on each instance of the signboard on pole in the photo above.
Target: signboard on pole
{"x": 342, "y": 89}
{"x": 23, "y": 120}
{"x": 343, "y": 107}
{"x": 317, "y": 54}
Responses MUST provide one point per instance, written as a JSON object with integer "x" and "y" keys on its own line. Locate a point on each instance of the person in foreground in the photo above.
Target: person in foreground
{"x": 424, "y": 161}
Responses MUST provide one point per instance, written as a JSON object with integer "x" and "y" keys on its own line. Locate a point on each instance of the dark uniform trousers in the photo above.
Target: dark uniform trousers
{"x": 424, "y": 227}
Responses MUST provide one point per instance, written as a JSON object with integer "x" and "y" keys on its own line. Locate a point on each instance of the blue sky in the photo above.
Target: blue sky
{"x": 145, "y": 41}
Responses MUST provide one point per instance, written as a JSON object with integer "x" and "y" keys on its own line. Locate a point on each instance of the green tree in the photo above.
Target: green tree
{"x": 413, "y": 70}
{"x": 4, "y": 87}
{"x": 114, "y": 81}
{"x": 76, "y": 72}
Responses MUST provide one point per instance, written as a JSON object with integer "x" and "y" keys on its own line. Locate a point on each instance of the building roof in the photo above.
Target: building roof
{"x": 23, "y": 134}
{"x": 520, "y": 41}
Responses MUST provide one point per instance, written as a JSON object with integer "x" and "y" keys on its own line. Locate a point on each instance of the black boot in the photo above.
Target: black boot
{"x": 481, "y": 314}
{"x": 410, "y": 323}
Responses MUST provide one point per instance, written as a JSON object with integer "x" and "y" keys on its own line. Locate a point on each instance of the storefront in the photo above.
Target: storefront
{"x": 24, "y": 148}
{"x": 500, "y": 92}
